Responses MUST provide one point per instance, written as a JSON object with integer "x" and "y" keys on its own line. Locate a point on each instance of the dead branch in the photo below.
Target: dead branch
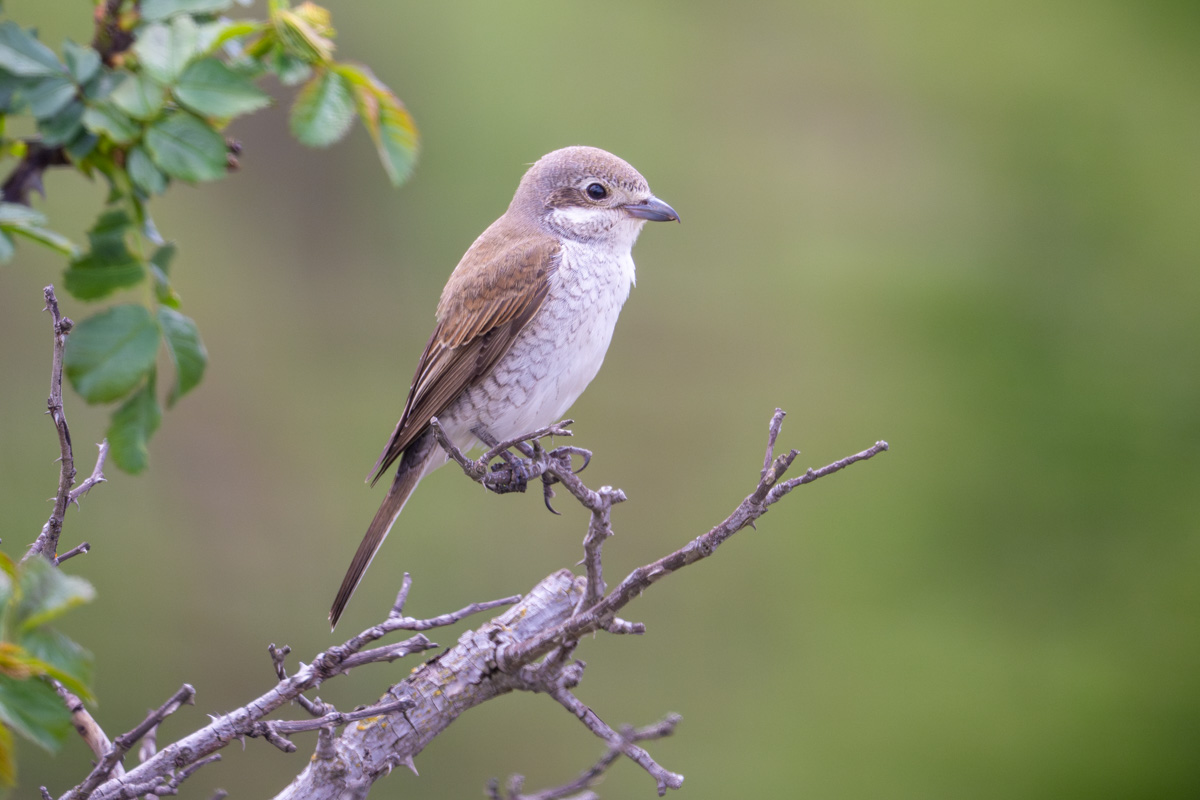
{"x": 46, "y": 544}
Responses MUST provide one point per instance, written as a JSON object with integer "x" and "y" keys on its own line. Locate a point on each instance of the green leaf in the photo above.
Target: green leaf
{"x": 289, "y": 69}
{"x": 386, "y": 119}
{"x": 186, "y": 349}
{"x": 108, "y": 354}
{"x": 143, "y": 173}
{"x": 132, "y": 426}
{"x": 22, "y": 54}
{"x": 101, "y": 86}
{"x": 111, "y": 122}
{"x": 51, "y": 239}
{"x": 212, "y": 89}
{"x": 161, "y": 9}
{"x": 396, "y": 142}
{"x": 186, "y": 147}
{"x": 91, "y": 278}
{"x": 82, "y": 62}
{"x": 82, "y": 145}
{"x": 7, "y": 248}
{"x": 49, "y": 96}
{"x": 107, "y": 235}
{"x": 34, "y": 710}
{"x": 165, "y": 49}
{"x": 215, "y": 34}
{"x": 139, "y": 96}
{"x": 46, "y": 594}
{"x": 71, "y": 663}
{"x": 63, "y": 126}
{"x": 25, "y": 221}
{"x": 160, "y": 264}
{"x": 323, "y": 110}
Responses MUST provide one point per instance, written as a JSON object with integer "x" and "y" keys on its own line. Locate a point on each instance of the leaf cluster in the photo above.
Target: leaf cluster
{"x": 32, "y": 595}
{"x": 144, "y": 106}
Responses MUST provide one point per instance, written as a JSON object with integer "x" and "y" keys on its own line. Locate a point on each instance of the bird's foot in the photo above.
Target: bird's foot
{"x": 510, "y": 475}
{"x": 562, "y": 457}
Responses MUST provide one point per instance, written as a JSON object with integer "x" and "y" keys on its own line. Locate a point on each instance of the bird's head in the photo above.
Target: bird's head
{"x": 589, "y": 195}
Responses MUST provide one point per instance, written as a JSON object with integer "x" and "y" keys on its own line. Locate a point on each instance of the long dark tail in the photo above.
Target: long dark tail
{"x": 412, "y": 468}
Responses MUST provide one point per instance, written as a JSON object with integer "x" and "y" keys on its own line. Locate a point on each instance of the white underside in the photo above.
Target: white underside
{"x": 554, "y": 358}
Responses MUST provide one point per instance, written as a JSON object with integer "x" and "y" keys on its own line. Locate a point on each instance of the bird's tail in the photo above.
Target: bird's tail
{"x": 413, "y": 466}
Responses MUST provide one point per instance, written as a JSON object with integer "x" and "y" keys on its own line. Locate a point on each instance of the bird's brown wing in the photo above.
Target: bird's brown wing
{"x": 492, "y": 294}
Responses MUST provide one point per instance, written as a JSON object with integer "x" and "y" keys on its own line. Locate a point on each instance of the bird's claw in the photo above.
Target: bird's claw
{"x": 565, "y": 452}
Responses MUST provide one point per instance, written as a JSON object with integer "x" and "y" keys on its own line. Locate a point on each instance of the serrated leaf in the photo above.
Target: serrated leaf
{"x": 34, "y": 710}
{"x": 139, "y": 96}
{"x": 212, "y": 89}
{"x": 46, "y": 594}
{"x": 186, "y": 350}
{"x": 143, "y": 173}
{"x": 161, "y": 9}
{"x": 49, "y": 96}
{"x": 108, "y": 354}
{"x": 303, "y": 36}
{"x": 69, "y": 662}
{"x": 386, "y": 119}
{"x": 112, "y": 122}
{"x": 132, "y": 426}
{"x": 82, "y": 62}
{"x": 323, "y": 110}
{"x": 63, "y": 126}
{"x": 22, "y": 54}
{"x": 186, "y": 147}
{"x": 165, "y": 49}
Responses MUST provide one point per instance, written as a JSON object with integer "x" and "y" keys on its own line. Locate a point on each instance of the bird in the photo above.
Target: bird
{"x": 522, "y": 325}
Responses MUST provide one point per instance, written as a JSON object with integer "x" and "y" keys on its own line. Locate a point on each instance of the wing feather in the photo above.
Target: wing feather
{"x": 494, "y": 292}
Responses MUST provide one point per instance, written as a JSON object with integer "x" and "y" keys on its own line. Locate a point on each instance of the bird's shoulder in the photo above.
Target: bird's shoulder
{"x": 506, "y": 269}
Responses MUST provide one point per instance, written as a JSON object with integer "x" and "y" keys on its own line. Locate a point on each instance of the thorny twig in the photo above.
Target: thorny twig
{"x": 46, "y": 543}
{"x": 597, "y": 610}
{"x": 658, "y": 730}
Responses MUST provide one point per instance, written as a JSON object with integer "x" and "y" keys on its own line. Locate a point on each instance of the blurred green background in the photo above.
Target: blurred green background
{"x": 968, "y": 228}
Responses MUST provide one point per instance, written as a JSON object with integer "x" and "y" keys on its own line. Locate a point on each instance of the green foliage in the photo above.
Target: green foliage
{"x": 32, "y": 595}
{"x": 142, "y": 115}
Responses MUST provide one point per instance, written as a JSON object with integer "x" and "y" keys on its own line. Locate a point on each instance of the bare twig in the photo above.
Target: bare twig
{"x": 46, "y": 544}
{"x": 77, "y": 550}
{"x": 122, "y": 744}
{"x": 663, "y": 778}
{"x": 97, "y": 476}
{"x": 768, "y": 492}
{"x": 658, "y": 730}
{"x": 85, "y": 725}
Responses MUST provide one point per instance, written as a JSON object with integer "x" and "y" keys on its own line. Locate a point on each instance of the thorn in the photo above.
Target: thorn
{"x": 408, "y": 762}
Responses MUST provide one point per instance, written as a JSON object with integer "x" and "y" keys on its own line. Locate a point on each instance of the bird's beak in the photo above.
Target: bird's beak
{"x": 653, "y": 209}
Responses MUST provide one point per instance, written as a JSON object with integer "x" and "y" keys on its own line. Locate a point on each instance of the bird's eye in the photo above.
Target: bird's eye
{"x": 596, "y": 191}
